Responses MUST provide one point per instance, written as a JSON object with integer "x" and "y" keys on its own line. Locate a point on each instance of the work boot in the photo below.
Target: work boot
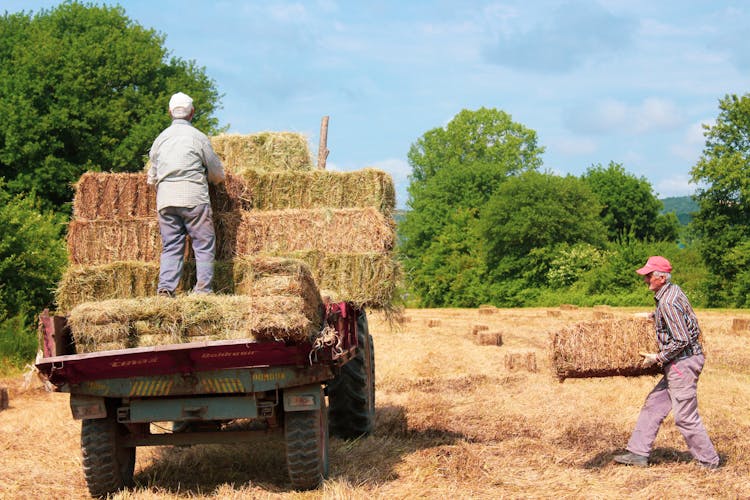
{"x": 708, "y": 465}
{"x": 165, "y": 293}
{"x": 631, "y": 459}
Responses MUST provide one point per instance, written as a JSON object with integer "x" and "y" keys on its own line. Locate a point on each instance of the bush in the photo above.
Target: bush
{"x": 18, "y": 344}
{"x": 32, "y": 255}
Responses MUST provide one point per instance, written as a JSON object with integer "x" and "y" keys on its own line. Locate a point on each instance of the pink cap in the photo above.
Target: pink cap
{"x": 655, "y": 263}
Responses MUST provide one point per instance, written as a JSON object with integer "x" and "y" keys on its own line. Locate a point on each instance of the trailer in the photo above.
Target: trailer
{"x": 226, "y": 391}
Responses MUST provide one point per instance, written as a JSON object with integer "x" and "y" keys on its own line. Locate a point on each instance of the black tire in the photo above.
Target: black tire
{"x": 107, "y": 464}
{"x": 306, "y": 435}
{"x": 351, "y": 394}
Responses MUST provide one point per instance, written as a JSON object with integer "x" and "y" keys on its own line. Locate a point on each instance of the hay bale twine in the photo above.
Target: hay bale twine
{"x": 740, "y": 324}
{"x": 489, "y": 338}
{"x": 433, "y": 323}
{"x": 4, "y": 399}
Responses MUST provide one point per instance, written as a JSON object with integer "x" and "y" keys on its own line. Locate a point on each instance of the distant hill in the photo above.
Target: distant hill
{"x": 682, "y": 206}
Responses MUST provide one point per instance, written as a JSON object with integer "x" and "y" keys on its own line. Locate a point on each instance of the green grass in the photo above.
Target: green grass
{"x": 18, "y": 345}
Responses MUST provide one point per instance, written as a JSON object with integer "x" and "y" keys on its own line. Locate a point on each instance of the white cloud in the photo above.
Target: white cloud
{"x": 574, "y": 146}
{"x": 677, "y": 185}
{"x": 692, "y": 142}
{"x": 612, "y": 116}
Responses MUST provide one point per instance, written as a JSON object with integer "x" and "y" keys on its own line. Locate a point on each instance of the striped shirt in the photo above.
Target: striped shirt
{"x": 677, "y": 327}
{"x": 182, "y": 161}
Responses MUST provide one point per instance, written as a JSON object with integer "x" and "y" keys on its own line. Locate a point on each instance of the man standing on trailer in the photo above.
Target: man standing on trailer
{"x": 182, "y": 164}
{"x": 681, "y": 357}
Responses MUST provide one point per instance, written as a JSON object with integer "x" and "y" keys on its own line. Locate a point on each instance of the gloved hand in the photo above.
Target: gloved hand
{"x": 649, "y": 359}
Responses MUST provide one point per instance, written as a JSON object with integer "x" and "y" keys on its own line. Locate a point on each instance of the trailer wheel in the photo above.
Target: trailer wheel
{"x": 351, "y": 394}
{"x": 107, "y": 464}
{"x": 306, "y": 435}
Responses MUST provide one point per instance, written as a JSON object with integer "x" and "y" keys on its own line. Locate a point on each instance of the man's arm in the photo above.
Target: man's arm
{"x": 213, "y": 163}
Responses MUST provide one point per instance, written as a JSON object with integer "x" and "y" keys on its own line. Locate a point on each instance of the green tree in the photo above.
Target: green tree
{"x": 629, "y": 205}
{"x": 83, "y": 87}
{"x": 455, "y": 170}
{"x": 32, "y": 255}
{"x": 723, "y": 174}
{"x": 526, "y": 221}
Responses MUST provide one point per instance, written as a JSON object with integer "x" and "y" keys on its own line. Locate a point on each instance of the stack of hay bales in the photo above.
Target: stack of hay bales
{"x": 283, "y": 230}
{"x": 603, "y": 348}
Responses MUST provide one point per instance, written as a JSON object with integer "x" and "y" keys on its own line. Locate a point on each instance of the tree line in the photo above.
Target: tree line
{"x": 83, "y": 87}
{"x": 486, "y": 225}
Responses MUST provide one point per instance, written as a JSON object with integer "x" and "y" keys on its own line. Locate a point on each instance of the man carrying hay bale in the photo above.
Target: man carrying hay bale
{"x": 681, "y": 356}
{"x": 182, "y": 164}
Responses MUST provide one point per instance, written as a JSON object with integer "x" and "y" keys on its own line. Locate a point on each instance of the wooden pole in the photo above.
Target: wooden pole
{"x": 323, "y": 146}
{"x": 4, "y": 399}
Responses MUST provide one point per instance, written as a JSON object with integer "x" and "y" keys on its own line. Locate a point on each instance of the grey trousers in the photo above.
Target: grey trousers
{"x": 677, "y": 391}
{"x": 175, "y": 223}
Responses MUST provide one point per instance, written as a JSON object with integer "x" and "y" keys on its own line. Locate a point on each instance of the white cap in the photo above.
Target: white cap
{"x": 180, "y": 105}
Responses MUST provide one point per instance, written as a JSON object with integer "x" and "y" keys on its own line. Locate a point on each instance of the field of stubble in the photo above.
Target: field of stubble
{"x": 453, "y": 421}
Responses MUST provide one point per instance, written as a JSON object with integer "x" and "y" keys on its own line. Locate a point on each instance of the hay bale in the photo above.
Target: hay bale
{"x": 568, "y": 307}
{"x": 478, "y": 328}
{"x": 110, "y": 240}
{"x": 347, "y": 230}
{"x": 105, "y": 195}
{"x": 515, "y": 361}
{"x": 740, "y": 324}
{"x": 366, "y": 280}
{"x": 126, "y": 323}
{"x": 266, "y": 151}
{"x": 603, "y": 348}
{"x": 552, "y": 313}
{"x": 4, "y": 398}
{"x": 321, "y": 188}
{"x": 238, "y": 233}
{"x": 486, "y": 311}
{"x": 599, "y": 315}
{"x": 433, "y": 323}
{"x": 489, "y": 338}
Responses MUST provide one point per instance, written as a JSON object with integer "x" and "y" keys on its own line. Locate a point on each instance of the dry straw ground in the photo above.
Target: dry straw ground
{"x": 452, "y": 422}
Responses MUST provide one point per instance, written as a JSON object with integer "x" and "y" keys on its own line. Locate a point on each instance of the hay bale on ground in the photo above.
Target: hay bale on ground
{"x": 740, "y": 324}
{"x": 568, "y": 307}
{"x": 266, "y": 151}
{"x": 4, "y": 398}
{"x": 321, "y": 188}
{"x": 478, "y": 328}
{"x": 515, "y": 361}
{"x": 603, "y": 348}
{"x": 433, "y": 323}
{"x": 126, "y": 323}
{"x": 552, "y": 313}
{"x": 486, "y": 309}
{"x": 599, "y": 315}
{"x": 489, "y": 338}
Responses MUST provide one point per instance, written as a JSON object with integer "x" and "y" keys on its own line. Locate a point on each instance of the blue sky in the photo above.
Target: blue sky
{"x": 599, "y": 81}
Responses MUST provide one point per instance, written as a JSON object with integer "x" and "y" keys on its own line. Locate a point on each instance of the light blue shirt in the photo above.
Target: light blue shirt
{"x": 182, "y": 164}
